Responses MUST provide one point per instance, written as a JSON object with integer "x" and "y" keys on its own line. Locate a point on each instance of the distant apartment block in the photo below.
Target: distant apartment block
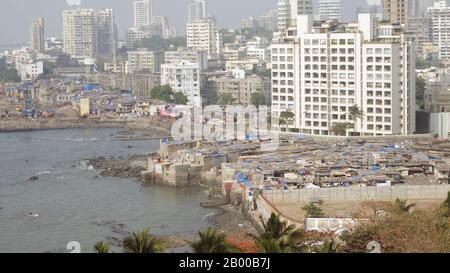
{"x": 38, "y": 35}
{"x": 241, "y": 89}
{"x": 30, "y": 70}
{"x": 183, "y": 77}
{"x": 398, "y": 11}
{"x": 143, "y": 13}
{"x": 88, "y": 33}
{"x": 330, "y": 10}
{"x": 419, "y": 29}
{"x": 144, "y": 60}
{"x": 202, "y": 35}
{"x": 439, "y": 16}
{"x": 177, "y": 56}
{"x": 196, "y": 10}
{"x": 288, "y": 10}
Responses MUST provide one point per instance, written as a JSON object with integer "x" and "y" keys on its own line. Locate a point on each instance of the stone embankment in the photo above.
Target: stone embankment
{"x": 22, "y": 124}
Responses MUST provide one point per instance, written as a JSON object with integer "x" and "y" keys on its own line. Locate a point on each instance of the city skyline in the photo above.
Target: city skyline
{"x": 225, "y": 12}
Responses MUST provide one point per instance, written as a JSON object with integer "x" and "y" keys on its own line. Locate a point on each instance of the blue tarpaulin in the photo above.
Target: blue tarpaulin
{"x": 241, "y": 178}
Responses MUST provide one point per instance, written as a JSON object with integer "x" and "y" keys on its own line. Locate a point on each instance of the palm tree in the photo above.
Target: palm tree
{"x": 278, "y": 232}
{"x": 285, "y": 117}
{"x": 270, "y": 245}
{"x": 328, "y": 246}
{"x": 313, "y": 211}
{"x": 401, "y": 206}
{"x": 101, "y": 248}
{"x": 212, "y": 241}
{"x": 355, "y": 113}
{"x": 143, "y": 242}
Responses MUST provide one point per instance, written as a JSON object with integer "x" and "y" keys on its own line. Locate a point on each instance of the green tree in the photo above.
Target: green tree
{"x": 9, "y": 75}
{"x": 211, "y": 241}
{"x": 179, "y": 98}
{"x": 143, "y": 242}
{"x": 285, "y": 118}
{"x": 420, "y": 91}
{"x": 355, "y": 114}
{"x": 258, "y": 99}
{"x": 340, "y": 128}
{"x": 213, "y": 98}
{"x": 328, "y": 246}
{"x": 163, "y": 92}
{"x": 101, "y": 247}
{"x": 65, "y": 60}
{"x": 402, "y": 206}
{"x": 279, "y": 237}
{"x": 313, "y": 211}
{"x": 269, "y": 245}
{"x": 226, "y": 99}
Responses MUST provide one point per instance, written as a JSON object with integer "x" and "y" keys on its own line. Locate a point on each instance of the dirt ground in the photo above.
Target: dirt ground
{"x": 346, "y": 209}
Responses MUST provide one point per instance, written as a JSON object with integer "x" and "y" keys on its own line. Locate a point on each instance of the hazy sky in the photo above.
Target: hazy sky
{"x": 16, "y": 15}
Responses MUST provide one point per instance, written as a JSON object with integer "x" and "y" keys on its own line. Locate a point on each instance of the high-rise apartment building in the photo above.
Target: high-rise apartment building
{"x": 419, "y": 30}
{"x": 88, "y": 33}
{"x": 183, "y": 77}
{"x": 325, "y": 71}
{"x": 106, "y": 32}
{"x": 143, "y": 13}
{"x": 38, "y": 35}
{"x": 288, "y": 10}
{"x": 398, "y": 11}
{"x": 144, "y": 60}
{"x": 439, "y": 16}
{"x": 196, "y": 10}
{"x": 330, "y": 10}
{"x": 202, "y": 35}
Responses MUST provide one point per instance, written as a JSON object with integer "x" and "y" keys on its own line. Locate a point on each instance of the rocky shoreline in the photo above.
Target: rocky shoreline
{"x": 226, "y": 218}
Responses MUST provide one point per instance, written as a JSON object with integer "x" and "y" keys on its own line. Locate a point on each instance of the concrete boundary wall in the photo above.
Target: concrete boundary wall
{"x": 419, "y": 192}
{"x": 329, "y": 224}
{"x": 265, "y": 209}
{"x": 354, "y": 138}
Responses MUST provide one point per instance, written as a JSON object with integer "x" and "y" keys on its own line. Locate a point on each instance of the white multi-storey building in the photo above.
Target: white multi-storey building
{"x": 183, "y": 77}
{"x": 143, "y": 13}
{"x": 133, "y": 36}
{"x": 439, "y": 16}
{"x": 322, "y": 73}
{"x": 330, "y": 10}
{"x": 196, "y": 10}
{"x": 202, "y": 35}
{"x": 88, "y": 33}
{"x": 30, "y": 70}
{"x": 143, "y": 59}
{"x": 177, "y": 56}
{"x": 288, "y": 10}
